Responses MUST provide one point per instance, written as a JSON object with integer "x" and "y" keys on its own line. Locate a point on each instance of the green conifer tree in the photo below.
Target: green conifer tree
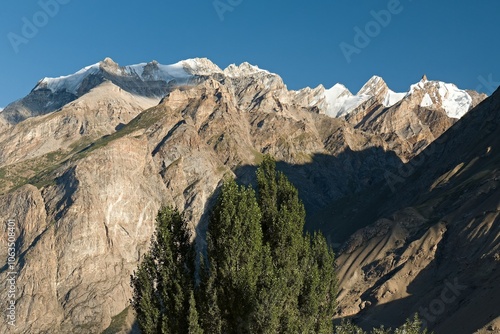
{"x": 234, "y": 253}
{"x": 267, "y": 313}
{"x": 208, "y": 306}
{"x": 164, "y": 281}
{"x": 303, "y": 265}
{"x": 411, "y": 326}
{"x": 144, "y": 300}
{"x": 193, "y": 320}
{"x": 260, "y": 273}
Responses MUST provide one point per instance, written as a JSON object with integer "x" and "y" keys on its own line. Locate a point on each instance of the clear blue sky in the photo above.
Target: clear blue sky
{"x": 453, "y": 41}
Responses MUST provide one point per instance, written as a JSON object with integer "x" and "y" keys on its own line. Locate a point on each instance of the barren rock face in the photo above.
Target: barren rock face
{"x": 98, "y": 113}
{"x": 436, "y": 253}
{"x": 83, "y": 184}
{"x": 84, "y": 236}
{"x": 417, "y": 119}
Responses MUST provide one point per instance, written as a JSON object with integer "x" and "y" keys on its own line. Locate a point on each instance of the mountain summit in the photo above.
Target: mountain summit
{"x": 129, "y": 76}
{"x": 154, "y": 80}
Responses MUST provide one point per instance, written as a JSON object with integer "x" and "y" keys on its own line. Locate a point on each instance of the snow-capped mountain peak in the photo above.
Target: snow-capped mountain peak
{"x": 146, "y": 72}
{"x": 68, "y": 83}
{"x": 338, "y": 91}
{"x": 456, "y": 102}
{"x": 152, "y": 71}
{"x": 430, "y": 94}
{"x": 154, "y": 80}
{"x": 200, "y": 66}
{"x": 377, "y": 87}
{"x": 245, "y": 69}
{"x": 340, "y": 101}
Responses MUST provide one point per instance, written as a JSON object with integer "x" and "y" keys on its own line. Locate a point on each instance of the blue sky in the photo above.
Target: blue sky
{"x": 453, "y": 41}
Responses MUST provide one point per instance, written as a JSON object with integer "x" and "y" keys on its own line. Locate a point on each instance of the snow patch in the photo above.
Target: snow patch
{"x": 340, "y": 101}
{"x": 165, "y": 72}
{"x": 201, "y": 66}
{"x": 135, "y": 69}
{"x": 245, "y": 69}
{"x": 426, "y": 101}
{"x": 455, "y": 102}
{"x": 144, "y": 71}
{"x": 68, "y": 83}
{"x": 413, "y": 88}
{"x": 391, "y": 98}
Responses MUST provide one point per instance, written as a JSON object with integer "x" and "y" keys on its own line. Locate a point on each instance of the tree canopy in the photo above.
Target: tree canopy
{"x": 260, "y": 272}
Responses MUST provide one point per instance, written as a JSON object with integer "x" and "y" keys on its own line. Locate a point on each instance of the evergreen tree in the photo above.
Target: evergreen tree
{"x": 283, "y": 219}
{"x": 144, "y": 300}
{"x": 381, "y": 330}
{"x": 409, "y": 327}
{"x": 268, "y": 309}
{"x": 317, "y": 299}
{"x": 304, "y": 266}
{"x": 347, "y": 327}
{"x": 261, "y": 274}
{"x": 164, "y": 281}
{"x": 210, "y": 315}
{"x": 268, "y": 193}
{"x": 193, "y": 321}
{"x": 234, "y": 253}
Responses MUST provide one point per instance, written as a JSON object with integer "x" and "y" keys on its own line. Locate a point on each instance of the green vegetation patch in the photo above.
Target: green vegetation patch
{"x": 143, "y": 121}
{"x": 37, "y": 171}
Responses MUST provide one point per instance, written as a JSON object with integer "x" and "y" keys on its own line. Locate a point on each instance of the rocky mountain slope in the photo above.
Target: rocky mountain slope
{"x": 434, "y": 249}
{"x": 86, "y": 160}
{"x": 416, "y": 120}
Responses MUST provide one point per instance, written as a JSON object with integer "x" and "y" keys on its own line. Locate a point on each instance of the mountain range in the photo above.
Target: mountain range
{"x": 404, "y": 186}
